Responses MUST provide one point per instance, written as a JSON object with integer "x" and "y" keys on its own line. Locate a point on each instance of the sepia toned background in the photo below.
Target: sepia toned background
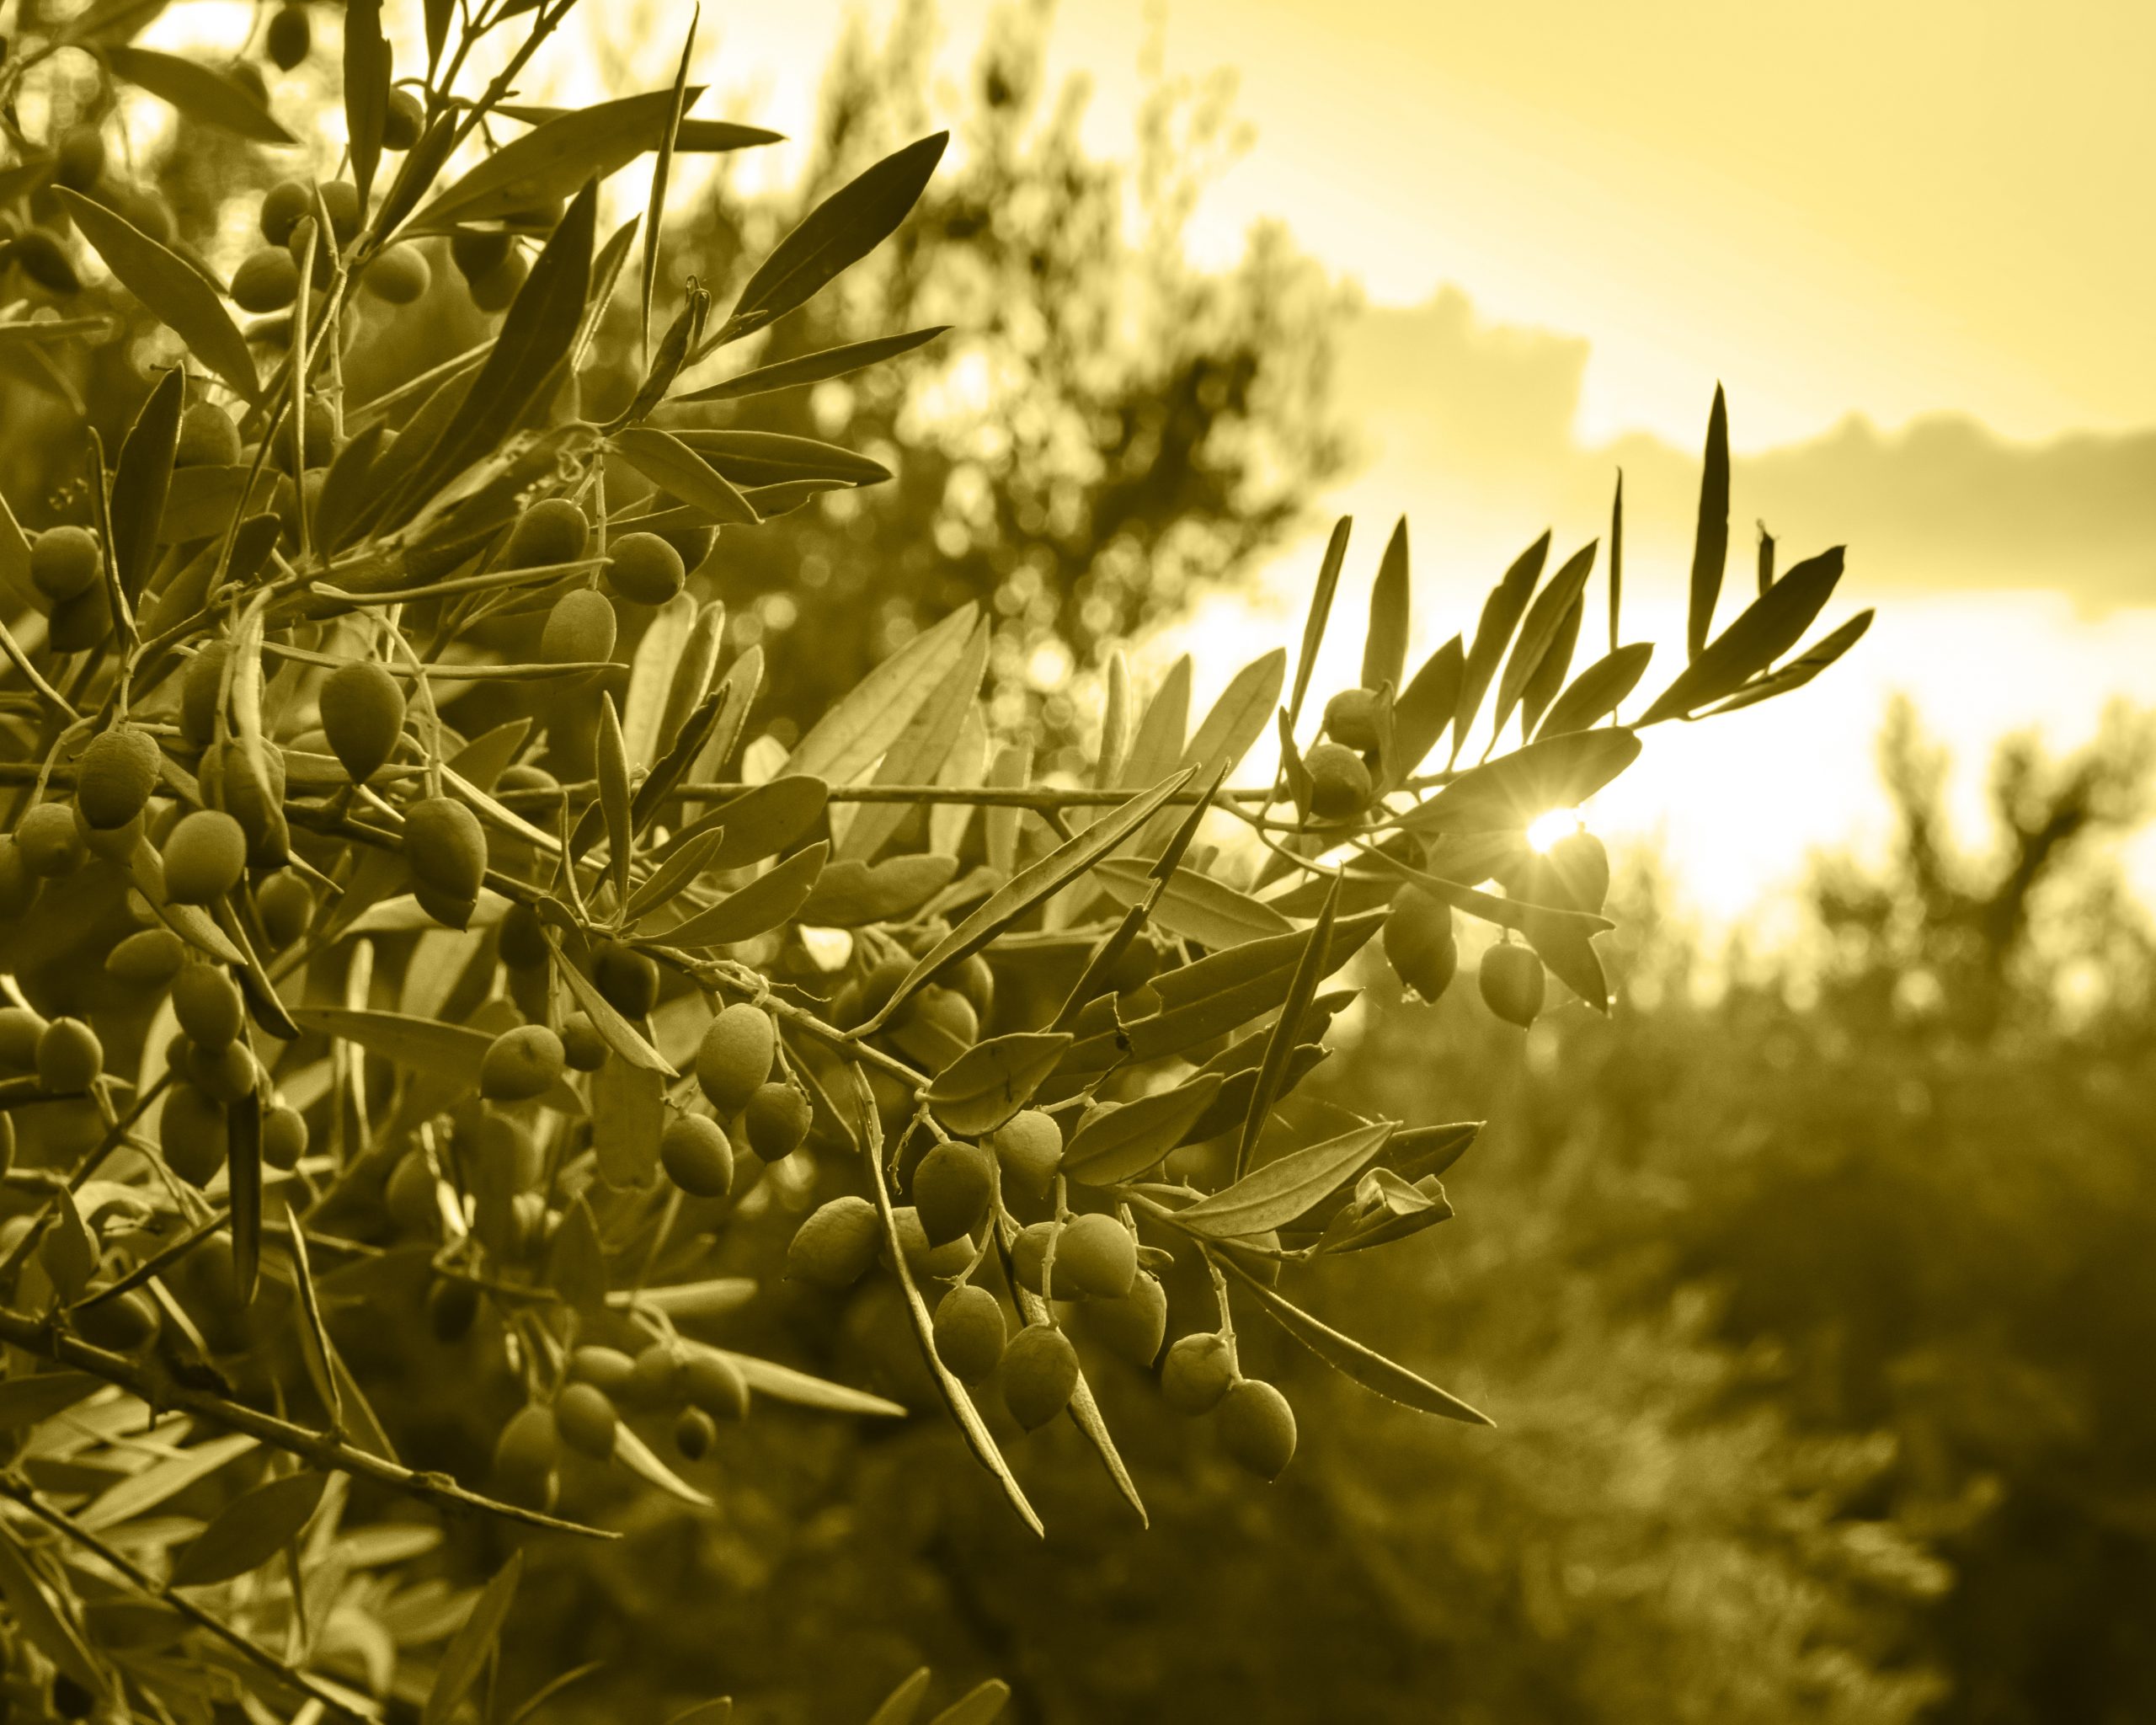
{"x": 1810, "y": 1291}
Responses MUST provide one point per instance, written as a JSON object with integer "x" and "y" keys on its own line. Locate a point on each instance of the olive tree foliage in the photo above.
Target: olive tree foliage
{"x": 379, "y": 923}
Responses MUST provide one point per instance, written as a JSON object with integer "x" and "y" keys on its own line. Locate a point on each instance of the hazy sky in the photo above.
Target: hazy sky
{"x": 1887, "y": 207}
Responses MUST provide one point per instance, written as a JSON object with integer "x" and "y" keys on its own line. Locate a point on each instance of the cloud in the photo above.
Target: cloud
{"x": 1466, "y": 421}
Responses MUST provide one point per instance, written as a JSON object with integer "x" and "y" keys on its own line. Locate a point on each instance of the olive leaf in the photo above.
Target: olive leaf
{"x": 366, "y": 90}
{"x": 1493, "y": 633}
{"x": 849, "y": 894}
{"x": 678, "y": 470}
{"x": 250, "y": 1530}
{"x": 772, "y": 898}
{"x": 1119, "y": 1144}
{"x": 1597, "y": 691}
{"x": 917, "y": 755}
{"x": 1026, "y": 889}
{"x": 661, "y": 167}
{"x": 618, "y": 1033}
{"x": 175, "y": 290}
{"x": 1551, "y": 772}
{"x": 427, "y": 1045}
{"x": 652, "y": 676}
{"x": 610, "y": 756}
{"x": 1801, "y": 669}
{"x": 805, "y": 369}
{"x": 761, "y": 822}
{"x": 993, "y": 1079}
{"x": 1310, "y": 968}
{"x": 637, "y": 1457}
{"x": 756, "y": 459}
{"x": 871, "y": 716}
{"x": 1275, "y": 1195}
{"x": 1763, "y": 631}
{"x": 1158, "y": 743}
{"x": 40, "y": 1622}
{"x": 628, "y": 1113}
{"x": 1349, "y": 1357}
{"x": 1539, "y": 634}
{"x": 161, "y": 1482}
{"x": 1192, "y": 906}
{"x": 1710, "y": 538}
{"x": 477, "y": 1640}
{"x": 674, "y": 875}
{"x": 28, "y": 1400}
{"x": 839, "y": 232}
{"x": 785, "y": 1383}
{"x": 1427, "y": 706}
{"x": 199, "y": 91}
{"x": 1321, "y": 611}
{"x": 315, "y": 1346}
{"x": 141, "y": 477}
{"x": 243, "y": 1180}
{"x": 1384, "y": 645}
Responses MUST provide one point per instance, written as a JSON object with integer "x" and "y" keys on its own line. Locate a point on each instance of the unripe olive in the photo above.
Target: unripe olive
{"x": 606, "y": 1369}
{"x": 18, "y": 884}
{"x": 521, "y": 1063}
{"x": 582, "y": 1045}
{"x": 79, "y": 162}
{"x": 1579, "y": 867}
{"x": 452, "y": 1308}
{"x": 496, "y": 290}
{"x": 65, "y": 561}
{"x": 79, "y": 624}
{"x": 398, "y": 275}
{"x": 1511, "y": 979}
{"x": 266, "y": 280}
{"x": 835, "y": 1244}
{"x": 1133, "y": 1327}
{"x": 8, "y": 1149}
{"x": 285, "y": 205}
{"x": 734, "y": 1057}
{"x": 1257, "y": 1428}
{"x": 48, "y": 842}
{"x": 970, "y": 1333}
{"x": 477, "y": 251}
{"x": 362, "y": 716}
{"x": 116, "y": 774}
{"x": 1099, "y": 1256}
{"x": 318, "y": 446}
{"x": 585, "y": 1420}
{"x": 951, "y": 1188}
{"x": 521, "y": 937}
{"x": 147, "y": 959}
{"x": 286, "y": 904}
{"x": 208, "y": 438}
{"x": 695, "y": 1432}
{"x": 1029, "y": 1254}
{"x": 446, "y": 849}
{"x": 204, "y": 858}
{"x": 776, "y": 1121}
{"x": 1339, "y": 784}
{"x": 1196, "y": 1374}
{"x": 19, "y": 1031}
{"x": 626, "y": 979}
{"x": 254, "y": 798}
{"x": 121, "y": 1324}
{"x": 1351, "y": 719}
{"x": 715, "y": 1384}
{"x": 553, "y": 531}
{"x": 199, "y": 686}
{"x": 579, "y": 629}
{"x": 208, "y": 1005}
{"x": 1419, "y": 942}
{"x": 881, "y": 983}
{"x": 404, "y": 122}
{"x": 341, "y": 198}
{"x": 697, "y": 1156}
{"x": 191, "y": 1132}
{"x": 1040, "y": 1371}
{"x": 69, "y": 1057}
{"x": 284, "y": 1138}
{"x": 496, "y": 1142}
{"x": 226, "y": 1073}
{"x": 289, "y": 37}
{"x": 115, "y": 844}
{"x": 45, "y": 261}
{"x": 644, "y": 568}
{"x": 410, "y": 1194}
{"x": 524, "y": 1455}
{"x": 935, "y": 1263}
{"x": 656, "y": 1382}
{"x": 976, "y": 981}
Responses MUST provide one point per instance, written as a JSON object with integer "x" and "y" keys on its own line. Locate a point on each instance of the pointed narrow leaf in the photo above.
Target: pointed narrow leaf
{"x": 1549, "y": 676}
{"x": 1266, "y": 1197}
{"x": 655, "y": 205}
{"x": 1321, "y": 611}
{"x": 619, "y": 1034}
{"x": 199, "y": 91}
{"x": 680, "y": 471}
{"x": 1302, "y": 987}
{"x": 839, "y": 232}
{"x": 1158, "y": 745}
{"x": 1551, "y": 772}
{"x": 992, "y": 1081}
{"x": 314, "y": 1334}
{"x": 636, "y": 1456}
{"x": 1026, "y": 889}
{"x": 243, "y": 1176}
{"x": 1193, "y": 906}
{"x": 1493, "y": 633}
{"x": 422, "y": 1044}
{"x": 366, "y": 90}
{"x": 172, "y": 289}
{"x": 40, "y": 1622}
{"x": 1539, "y": 634}
{"x": 1710, "y": 539}
{"x": 762, "y": 459}
{"x": 1124, "y": 1142}
{"x": 1384, "y": 647}
{"x": 871, "y": 716}
{"x": 1768, "y": 627}
{"x": 977, "y": 1705}
{"x": 140, "y": 478}
{"x": 1801, "y": 670}
{"x": 1596, "y": 692}
{"x": 813, "y": 368}
{"x": 1372, "y": 1370}
{"x": 903, "y": 1703}
{"x": 1616, "y": 557}
{"x": 1239, "y": 718}
{"x": 250, "y": 1530}
{"x": 1426, "y": 707}
{"x": 478, "y": 1638}
{"x": 917, "y": 755}
{"x": 628, "y": 1113}
{"x": 610, "y": 757}
{"x": 766, "y": 902}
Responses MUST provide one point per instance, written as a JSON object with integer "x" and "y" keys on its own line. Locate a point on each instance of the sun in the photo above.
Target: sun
{"x": 1546, "y": 829}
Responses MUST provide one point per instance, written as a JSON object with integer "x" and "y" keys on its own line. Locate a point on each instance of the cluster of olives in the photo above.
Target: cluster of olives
{"x": 938, "y": 1022}
{"x": 1092, "y": 1261}
{"x": 700, "y": 1387}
